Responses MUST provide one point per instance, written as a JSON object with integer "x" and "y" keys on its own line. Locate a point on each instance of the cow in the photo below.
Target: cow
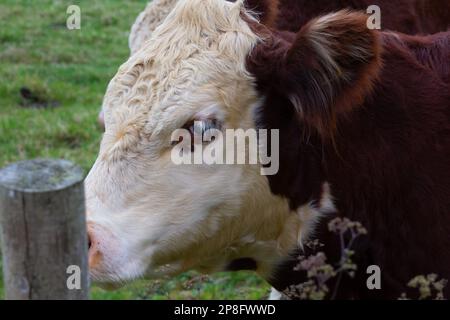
{"x": 364, "y": 133}
{"x": 411, "y": 17}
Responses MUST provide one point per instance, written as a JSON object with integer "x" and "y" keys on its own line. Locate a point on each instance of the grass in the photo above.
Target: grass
{"x": 70, "y": 69}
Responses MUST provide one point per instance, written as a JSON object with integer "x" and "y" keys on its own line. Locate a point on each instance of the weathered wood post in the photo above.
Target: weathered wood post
{"x": 44, "y": 241}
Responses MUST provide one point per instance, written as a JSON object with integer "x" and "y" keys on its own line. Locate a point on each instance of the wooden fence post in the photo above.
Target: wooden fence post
{"x": 44, "y": 241}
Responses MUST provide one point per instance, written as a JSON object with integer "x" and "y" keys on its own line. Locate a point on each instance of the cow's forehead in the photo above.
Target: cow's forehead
{"x": 194, "y": 59}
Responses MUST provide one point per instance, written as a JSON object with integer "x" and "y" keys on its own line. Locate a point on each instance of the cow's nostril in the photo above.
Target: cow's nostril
{"x": 94, "y": 254}
{"x": 89, "y": 242}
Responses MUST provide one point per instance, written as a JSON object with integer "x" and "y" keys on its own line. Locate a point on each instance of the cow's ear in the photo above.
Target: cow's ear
{"x": 327, "y": 68}
{"x": 331, "y": 66}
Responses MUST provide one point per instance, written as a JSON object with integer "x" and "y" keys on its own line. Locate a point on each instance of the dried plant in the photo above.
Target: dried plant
{"x": 318, "y": 271}
{"x": 430, "y": 287}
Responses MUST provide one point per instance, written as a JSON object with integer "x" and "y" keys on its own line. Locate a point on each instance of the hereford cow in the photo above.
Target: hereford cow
{"x": 364, "y": 133}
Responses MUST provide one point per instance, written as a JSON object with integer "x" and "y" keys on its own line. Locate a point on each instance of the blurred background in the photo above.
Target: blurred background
{"x": 52, "y": 82}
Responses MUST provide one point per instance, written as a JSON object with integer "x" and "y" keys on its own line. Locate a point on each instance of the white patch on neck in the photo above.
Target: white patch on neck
{"x": 276, "y": 295}
{"x": 310, "y": 214}
{"x": 326, "y": 204}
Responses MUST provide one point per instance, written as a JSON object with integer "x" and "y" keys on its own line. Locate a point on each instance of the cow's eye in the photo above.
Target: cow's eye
{"x": 200, "y": 131}
{"x": 201, "y": 127}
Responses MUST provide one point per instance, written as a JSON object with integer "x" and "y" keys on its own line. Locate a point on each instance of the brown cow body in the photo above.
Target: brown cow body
{"x": 387, "y": 158}
{"x": 407, "y": 16}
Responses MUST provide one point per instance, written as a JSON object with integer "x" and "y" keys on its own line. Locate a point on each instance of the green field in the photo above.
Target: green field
{"x": 67, "y": 71}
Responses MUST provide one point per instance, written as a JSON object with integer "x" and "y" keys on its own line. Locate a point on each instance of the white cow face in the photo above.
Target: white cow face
{"x": 148, "y": 216}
